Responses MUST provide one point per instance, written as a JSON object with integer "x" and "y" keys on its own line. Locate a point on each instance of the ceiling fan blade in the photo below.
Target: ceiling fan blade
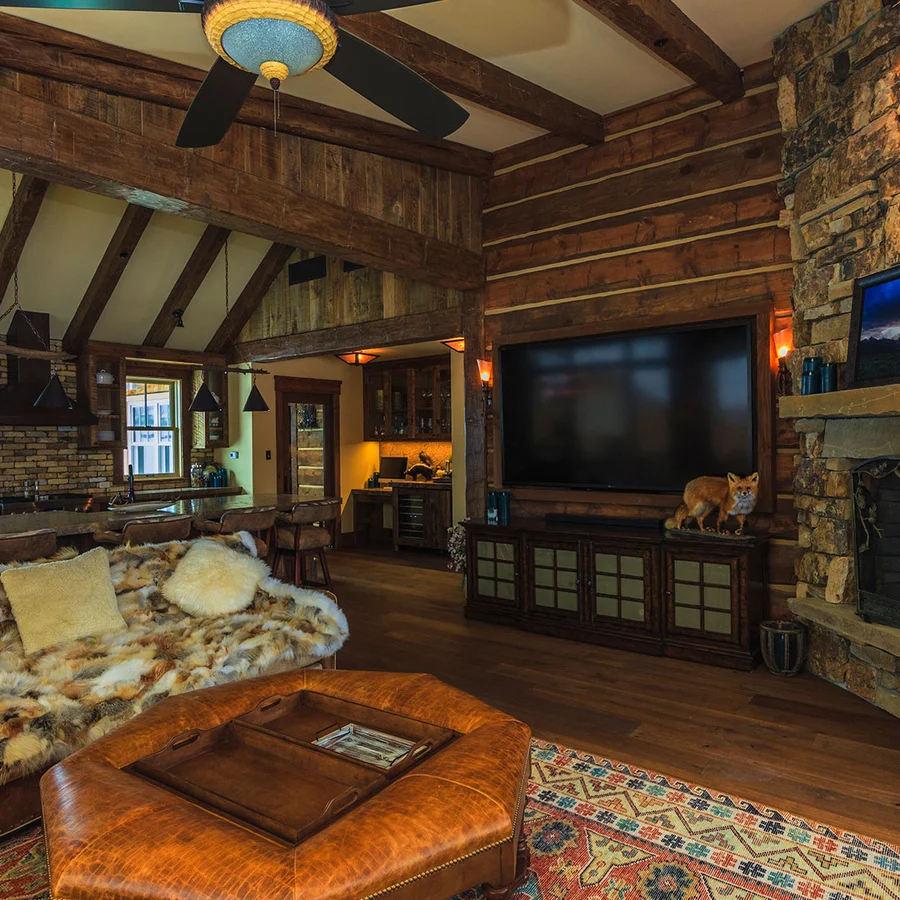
{"x": 395, "y": 88}
{"x": 188, "y": 6}
{"x": 216, "y": 105}
{"x": 354, "y": 7}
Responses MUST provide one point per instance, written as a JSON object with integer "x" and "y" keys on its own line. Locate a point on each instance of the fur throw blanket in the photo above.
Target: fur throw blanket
{"x": 61, "y": 699}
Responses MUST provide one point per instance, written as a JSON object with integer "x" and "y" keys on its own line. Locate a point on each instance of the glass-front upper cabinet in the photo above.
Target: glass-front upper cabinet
{"x": 408, "y": 399}
{"x": 398, "y": 391}
{"x": 376, "y": 407}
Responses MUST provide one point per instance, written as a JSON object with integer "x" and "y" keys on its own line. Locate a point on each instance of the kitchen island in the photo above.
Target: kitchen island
{"x": 68, "y": 523}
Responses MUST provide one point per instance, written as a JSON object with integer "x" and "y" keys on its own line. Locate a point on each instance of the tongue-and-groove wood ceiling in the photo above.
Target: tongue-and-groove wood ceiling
{"x": 561, "y": 45}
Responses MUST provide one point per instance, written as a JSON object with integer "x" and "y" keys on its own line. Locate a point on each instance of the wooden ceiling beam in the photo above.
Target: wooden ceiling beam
{"x": 196, "y": 269}
{"x": 390, "y": 332}
{"x": 42, "y": 50}
{"x": 667, "y": 32}
{"x": 83, "y": 152}
{"x": 250, "y": 298}
{"x": 19, "y": 221}
{"x": 467, "y": 76}
{"x": 112, "y": 266}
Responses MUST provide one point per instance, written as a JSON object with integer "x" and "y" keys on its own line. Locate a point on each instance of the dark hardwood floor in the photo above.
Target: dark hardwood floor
{"x": 798, "y": 744}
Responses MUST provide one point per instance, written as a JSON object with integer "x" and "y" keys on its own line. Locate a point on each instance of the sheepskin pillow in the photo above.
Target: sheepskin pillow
{"x": 213, "y": 580}
{"x": 56, "y": 602}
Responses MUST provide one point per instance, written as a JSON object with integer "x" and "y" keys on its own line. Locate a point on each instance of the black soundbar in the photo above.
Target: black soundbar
{"x": 602, "y": 521}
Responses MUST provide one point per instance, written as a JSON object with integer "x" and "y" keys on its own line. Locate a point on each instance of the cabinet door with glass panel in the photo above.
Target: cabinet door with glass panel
{"x": 555, "y": 578}
{"x": 703, "y": 596}
{"x": 495, "y": 572}
{"x": 621, "y": 585}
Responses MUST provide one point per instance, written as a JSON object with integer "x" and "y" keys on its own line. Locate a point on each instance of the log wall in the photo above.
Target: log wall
{"x": 676, "y": 214}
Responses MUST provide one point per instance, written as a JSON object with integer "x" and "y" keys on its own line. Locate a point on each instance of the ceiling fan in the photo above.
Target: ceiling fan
{"x": 281, "y": 38}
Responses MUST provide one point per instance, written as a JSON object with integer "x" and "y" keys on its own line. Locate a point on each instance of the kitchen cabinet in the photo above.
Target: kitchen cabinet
{"x": 408, "y": 400}
{"x": 422, "y": 516}
{"x": 101, "y": 388}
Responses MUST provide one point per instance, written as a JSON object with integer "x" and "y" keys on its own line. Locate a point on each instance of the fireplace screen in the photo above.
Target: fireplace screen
{"x": 876, "y": 499}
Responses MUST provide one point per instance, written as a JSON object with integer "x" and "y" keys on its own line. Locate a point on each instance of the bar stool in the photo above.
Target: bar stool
{"x": 156, "y": 531}
{"x": 259, "y": 521}
{"x": 27, "y": 545}
{"x": 303, "y": 533}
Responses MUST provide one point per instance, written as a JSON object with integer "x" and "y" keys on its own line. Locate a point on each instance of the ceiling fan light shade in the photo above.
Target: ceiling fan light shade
{"x": 276, "y": 38}
{"x": 53, "y": 396}
{"x": 204, "y": 401}
{"x": 255, "y": 401}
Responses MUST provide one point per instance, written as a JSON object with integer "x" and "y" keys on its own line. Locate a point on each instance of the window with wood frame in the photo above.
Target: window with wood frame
{"x": 153, "y": 427}
{"x": 157, "y": 425}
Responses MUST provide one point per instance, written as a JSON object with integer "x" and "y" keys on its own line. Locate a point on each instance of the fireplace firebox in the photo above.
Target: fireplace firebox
{"x": 876, "y": 503}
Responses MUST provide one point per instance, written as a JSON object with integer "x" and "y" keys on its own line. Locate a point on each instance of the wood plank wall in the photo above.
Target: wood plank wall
{"x": 676, "y": 213}
{"x": 433, "y": 202}
{"x": 342, "y": 298}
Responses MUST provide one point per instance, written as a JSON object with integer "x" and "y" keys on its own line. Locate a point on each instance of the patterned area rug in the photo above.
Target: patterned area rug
{"x": 602, "y": 830}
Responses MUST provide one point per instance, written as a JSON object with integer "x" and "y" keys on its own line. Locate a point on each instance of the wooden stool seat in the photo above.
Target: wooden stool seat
{"x": 301, "y": 533}
{"x": 27, "y": 545}
{"x": 259, "y": 521}
{"x": 155, "y": 531}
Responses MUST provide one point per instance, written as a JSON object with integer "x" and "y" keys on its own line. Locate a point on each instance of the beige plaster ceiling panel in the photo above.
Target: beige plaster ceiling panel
{"x": 161, "y": 254}
{"x": 70, "y": 235}
{"x": 207, "y": 310}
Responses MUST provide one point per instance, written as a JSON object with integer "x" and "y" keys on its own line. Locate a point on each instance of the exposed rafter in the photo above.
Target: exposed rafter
{"x": 42, "y": 50}
{"x": 250, "y": 298}
{"x": 665, "y": 30}
{"x": 72, "y": 148}
{"x": 197, "y": 268}
{"x": 19, "y": 222}
{"x": 467, "y": 76}
{"x": 117, "y": 256}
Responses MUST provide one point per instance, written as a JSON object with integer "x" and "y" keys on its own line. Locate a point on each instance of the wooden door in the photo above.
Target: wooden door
{"x": 307, "y": 423}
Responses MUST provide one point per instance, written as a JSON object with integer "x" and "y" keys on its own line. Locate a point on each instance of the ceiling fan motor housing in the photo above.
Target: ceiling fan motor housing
{"x": 277, "y": 38}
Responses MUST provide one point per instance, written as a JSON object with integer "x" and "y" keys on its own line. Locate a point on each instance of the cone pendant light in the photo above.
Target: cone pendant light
{"x": 53, "y": 396}
{"x": 204, "y": 401}
{"x": 255, "y": 400}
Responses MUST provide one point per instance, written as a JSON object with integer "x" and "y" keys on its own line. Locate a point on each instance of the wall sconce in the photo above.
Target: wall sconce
{"x": 784, "y": 343}
{"x": 357, "y": 359}
{"x": 486, "y": 374}
{"x": 457, "y": 344}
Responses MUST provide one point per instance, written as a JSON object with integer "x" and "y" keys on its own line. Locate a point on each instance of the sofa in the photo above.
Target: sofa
{"x": 63, "y": 698}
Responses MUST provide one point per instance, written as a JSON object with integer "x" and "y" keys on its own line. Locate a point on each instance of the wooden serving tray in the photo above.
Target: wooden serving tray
{"x": 263, "y": 770}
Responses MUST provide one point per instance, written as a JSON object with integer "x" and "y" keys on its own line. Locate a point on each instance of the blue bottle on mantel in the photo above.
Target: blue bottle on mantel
{"x": 811, "y": 379}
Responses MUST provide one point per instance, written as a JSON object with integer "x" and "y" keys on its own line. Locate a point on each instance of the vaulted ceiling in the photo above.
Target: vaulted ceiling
{"x": 564, "y": 46}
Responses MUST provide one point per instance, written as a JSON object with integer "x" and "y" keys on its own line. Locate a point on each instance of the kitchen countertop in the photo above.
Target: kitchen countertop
{"x": 67, "y": 523}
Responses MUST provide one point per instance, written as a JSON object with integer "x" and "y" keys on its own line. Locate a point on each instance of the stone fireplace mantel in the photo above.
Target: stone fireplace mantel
{"x": 856, "y": 404}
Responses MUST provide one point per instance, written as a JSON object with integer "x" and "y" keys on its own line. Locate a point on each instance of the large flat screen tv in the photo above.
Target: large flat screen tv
{"x": 642, "y": 412}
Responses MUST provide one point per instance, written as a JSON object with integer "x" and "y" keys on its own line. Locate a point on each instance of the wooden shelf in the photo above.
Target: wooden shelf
{"x": 857, "y": 403}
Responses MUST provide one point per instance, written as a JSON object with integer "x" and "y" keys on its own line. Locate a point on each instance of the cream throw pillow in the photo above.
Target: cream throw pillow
{"x": 61, "y": 601}
{"x": 213, "y": 580}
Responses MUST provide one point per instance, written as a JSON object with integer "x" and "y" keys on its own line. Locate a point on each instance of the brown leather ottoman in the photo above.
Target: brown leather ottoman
{"x": 452, "y": 822}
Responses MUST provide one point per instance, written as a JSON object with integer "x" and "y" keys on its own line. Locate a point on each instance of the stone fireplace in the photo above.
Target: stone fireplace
{"x": 839, "y": 94}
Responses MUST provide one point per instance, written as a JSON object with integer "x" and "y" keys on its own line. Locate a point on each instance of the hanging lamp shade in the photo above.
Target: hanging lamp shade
{"x": 277, "y": 38}
{"x": 255, "y": 401}
{"x": 204, "y": 401}
{"x": 53, "y": 396}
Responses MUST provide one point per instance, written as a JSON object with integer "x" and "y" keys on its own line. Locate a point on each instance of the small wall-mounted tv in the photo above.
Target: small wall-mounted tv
{"x": 643, "y": 412}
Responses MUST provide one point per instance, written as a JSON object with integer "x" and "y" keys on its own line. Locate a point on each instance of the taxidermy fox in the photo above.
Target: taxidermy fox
{"x": 732, "y": 496}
